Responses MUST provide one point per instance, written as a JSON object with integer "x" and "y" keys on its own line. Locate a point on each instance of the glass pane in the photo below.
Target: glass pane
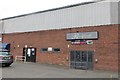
{"x": 84, "y": 56}
{"x": 56, "y": 49}
{"x": 90, "y": 56}
{"x": 78, "y": 56}
{"x": 72, "y": 56}
{"x": 44, "y": 49}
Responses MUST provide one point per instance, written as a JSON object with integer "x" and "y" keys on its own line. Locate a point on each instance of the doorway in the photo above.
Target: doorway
{"x": 81, "y": 59}
{"x": 30, "y": 54}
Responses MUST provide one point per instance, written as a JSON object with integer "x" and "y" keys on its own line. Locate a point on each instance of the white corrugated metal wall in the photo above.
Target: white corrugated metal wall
{"x": 93, "y": 14}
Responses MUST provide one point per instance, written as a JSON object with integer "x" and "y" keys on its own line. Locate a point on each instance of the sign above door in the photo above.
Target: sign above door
{"x": 82, "y": 35}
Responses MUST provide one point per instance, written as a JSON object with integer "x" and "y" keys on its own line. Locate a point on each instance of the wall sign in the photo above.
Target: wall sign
{"x": 82, "y": 42}
{"x": 89, "y": 42}
{"x": 29, "y": 52}
{"x": 0, "y": 39}
{"x": 82, "y": 35}
{"x": 49, "y": 48}
{"x": 79, "y": 43}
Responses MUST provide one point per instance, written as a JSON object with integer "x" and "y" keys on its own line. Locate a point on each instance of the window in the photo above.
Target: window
{"x": 50, "y": 49}
{"x": 44, "y": 49}
{"x": 56, "y": 49}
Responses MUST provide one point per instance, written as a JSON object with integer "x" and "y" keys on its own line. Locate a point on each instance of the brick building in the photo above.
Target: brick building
{"x": 83, "y": 36}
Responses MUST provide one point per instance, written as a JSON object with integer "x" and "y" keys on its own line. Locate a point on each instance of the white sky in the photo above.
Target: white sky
{"x": 10, "y": 8}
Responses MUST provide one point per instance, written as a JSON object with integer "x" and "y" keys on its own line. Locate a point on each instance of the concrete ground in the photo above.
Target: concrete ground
{"x": 37, "y": 70}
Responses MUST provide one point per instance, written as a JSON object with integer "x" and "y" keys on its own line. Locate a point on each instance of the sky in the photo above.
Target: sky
{"x": 10, "y": 8}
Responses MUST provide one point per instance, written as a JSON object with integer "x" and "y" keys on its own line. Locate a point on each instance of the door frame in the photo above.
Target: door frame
{"x": 89, "y": 58}
{"x": 25, "y": 53}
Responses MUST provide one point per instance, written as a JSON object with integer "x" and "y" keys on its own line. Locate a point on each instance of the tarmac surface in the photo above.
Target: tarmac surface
{"x": 37, "y": 70}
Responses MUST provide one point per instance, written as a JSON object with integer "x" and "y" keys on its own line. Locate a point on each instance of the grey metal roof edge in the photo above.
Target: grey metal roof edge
{"x": 69, "y": 6}
{"x": 56, "y": 29}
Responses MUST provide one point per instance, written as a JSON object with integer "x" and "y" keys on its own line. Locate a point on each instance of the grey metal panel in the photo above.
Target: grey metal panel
{"x": 119, "y": 12}
{"x": 114, "y": 12}
{"x": 111, "y": 0}
{"x": 0, "y": 26}
{"x": 79, "y": 16}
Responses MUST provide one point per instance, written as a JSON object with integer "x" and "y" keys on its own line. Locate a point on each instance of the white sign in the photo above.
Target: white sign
{"x": 49, "y": 48}
{"x": 33, "y": 49}
{"x": 29, "y": 52}
{"x": 89, "y": 42}
{"x": 0, "y": 39}
{"x": 82, "y": 35}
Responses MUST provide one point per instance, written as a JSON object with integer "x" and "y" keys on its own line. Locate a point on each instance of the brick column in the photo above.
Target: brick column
{"x": 0, "y": 38}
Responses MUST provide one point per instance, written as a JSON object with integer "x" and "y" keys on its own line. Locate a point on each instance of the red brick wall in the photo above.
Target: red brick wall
{"x": 119, "y": 47}
{"x": 106, "y": 47}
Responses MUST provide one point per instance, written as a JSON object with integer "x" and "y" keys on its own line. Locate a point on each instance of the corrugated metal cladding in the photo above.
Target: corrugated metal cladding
{"x": 119, "y": 12}
{"x": 0, "y": 31}
{"x": 0, "y": 27}
{"x": 79, "y": 16}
